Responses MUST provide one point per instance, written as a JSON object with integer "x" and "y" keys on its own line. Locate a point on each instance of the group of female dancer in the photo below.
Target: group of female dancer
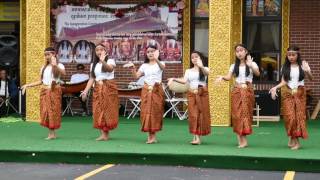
{"x": 106, "y": 102}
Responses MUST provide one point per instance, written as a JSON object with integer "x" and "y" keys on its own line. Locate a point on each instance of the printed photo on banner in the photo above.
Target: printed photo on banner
{"x": 201, "y": 8}
{"x": 263, "y": 7}
{"x": 82, "y": 52}
{"x": 65, "y": 54}
{"x": 125, "y": 38}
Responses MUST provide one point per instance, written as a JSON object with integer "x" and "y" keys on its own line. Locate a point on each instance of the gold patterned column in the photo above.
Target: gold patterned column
{"x": 37, "y": 39}
{"x": 285, "y": 28}
{"x": 221, "y": 40}
{"x": 22, "y": 42}
{"x": 285, "y": 41}
{"x": 237, "y": 24}
{"x": 186, "y": 34}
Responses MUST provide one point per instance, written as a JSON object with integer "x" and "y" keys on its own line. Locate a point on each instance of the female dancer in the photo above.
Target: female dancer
{"x": 242, "y": 97}
{"x": 105, "y": 103}
{"x": 50, "y": 94}
{"x": 152, "y": 95}
{"x": 293, "y": 73}
{"x": 198, "y": 97}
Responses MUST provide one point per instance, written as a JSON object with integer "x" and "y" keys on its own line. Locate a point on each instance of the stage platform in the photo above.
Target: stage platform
{"x": 24, "y": 142}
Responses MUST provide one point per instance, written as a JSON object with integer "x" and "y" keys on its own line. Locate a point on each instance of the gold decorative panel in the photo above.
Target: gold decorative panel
{"x": 222, "y": 37}
{"x": 285, "y": 34}
{"x": 285, "y": 28}
{"x": 37, "y": 39}
{"x": 236, "y": 24}
{"x": 22, "y": 42}
{"x": 186, "y": 34}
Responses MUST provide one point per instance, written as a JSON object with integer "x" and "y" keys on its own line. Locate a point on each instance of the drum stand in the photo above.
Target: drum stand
{"x": 69, "y": 100}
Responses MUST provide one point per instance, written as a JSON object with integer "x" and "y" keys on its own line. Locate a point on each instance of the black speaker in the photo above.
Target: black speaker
{"x": 269, "y": 107}
{"x": 8, "y": 50}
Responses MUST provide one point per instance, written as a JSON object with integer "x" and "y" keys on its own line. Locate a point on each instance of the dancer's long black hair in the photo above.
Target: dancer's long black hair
{"x": 237, "y": 62}
{"x": 204, "y": 62}
{"x": 286, "y": 68}
{"x": 96, "y": 59}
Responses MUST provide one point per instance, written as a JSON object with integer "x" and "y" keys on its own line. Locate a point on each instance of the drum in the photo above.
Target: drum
{"x": 178, "y": 87}
{"x": 74, "y": 88}
{"x": 130, "y": 92}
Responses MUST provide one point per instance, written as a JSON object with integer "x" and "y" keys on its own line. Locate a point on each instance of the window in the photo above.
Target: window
{"x": 262, "y": 36}
{"x": 200, "y": 26}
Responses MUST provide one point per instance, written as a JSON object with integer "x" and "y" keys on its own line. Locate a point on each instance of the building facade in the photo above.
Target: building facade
{"x": 266, "y": 29}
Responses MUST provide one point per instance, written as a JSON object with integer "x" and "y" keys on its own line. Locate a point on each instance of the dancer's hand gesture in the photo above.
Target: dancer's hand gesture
{"x": 103, "y": 55}
{"x": 84, "y": 95}
{"x": 305, "y": 66}
{"x": 273, "y": 92}
{"x": 199, "y": 63}
{"x": 23, "y": 89}
{"x": 156, "y": 54}
{"x": 219, "y": 79}
{"x": 249, "y": 61}
{"x": 53, "y": 61}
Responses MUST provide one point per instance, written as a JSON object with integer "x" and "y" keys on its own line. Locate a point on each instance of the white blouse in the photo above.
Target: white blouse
{"x": 48, "y": 75}
{"x": 242, "y": 78}
{"x": 152, "y": 73}
{"x": 294, "y": 78}
{"x": 192, "y": 78}
{"x": 100, "y": 75}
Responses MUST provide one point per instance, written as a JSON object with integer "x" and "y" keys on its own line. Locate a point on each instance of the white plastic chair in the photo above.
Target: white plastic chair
{"x": 257, "y": 117}
{"x": 174, "y": 102}
{"x": 5, "y": 101}
{"x": 136, "y": 107}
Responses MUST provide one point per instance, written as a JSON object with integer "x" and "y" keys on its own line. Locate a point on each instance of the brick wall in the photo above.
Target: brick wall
{"x": 124, "y": 75}
{"x": 305, "y": 32}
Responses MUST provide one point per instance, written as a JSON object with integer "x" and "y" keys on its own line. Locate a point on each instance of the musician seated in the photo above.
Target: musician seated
{"x": 8, "y": 88}
{"x": 3, "y": 85}
{"x": 79, "y": 77}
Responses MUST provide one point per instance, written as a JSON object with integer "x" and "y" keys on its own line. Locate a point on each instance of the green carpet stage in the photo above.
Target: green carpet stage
{"x": 24, "y": 142}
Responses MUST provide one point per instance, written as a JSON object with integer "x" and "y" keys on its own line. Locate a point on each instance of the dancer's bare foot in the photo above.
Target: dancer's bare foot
{"x": 102, "y": 138}
{"x": 239, "y": 140}
{"x": 296, "y": 146}
{"x": 243, "y": 142}
{"x": 193, "y": 140}
{"x": 50, "y": 137}
{"x": 291, "y": 142}
{"x": 151, "y": 138}
{"x": 243, "y": 145}
{"x": 152, "y": 141}
{"x": 197, "y": 142}
{"x": 54, "y": 135}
